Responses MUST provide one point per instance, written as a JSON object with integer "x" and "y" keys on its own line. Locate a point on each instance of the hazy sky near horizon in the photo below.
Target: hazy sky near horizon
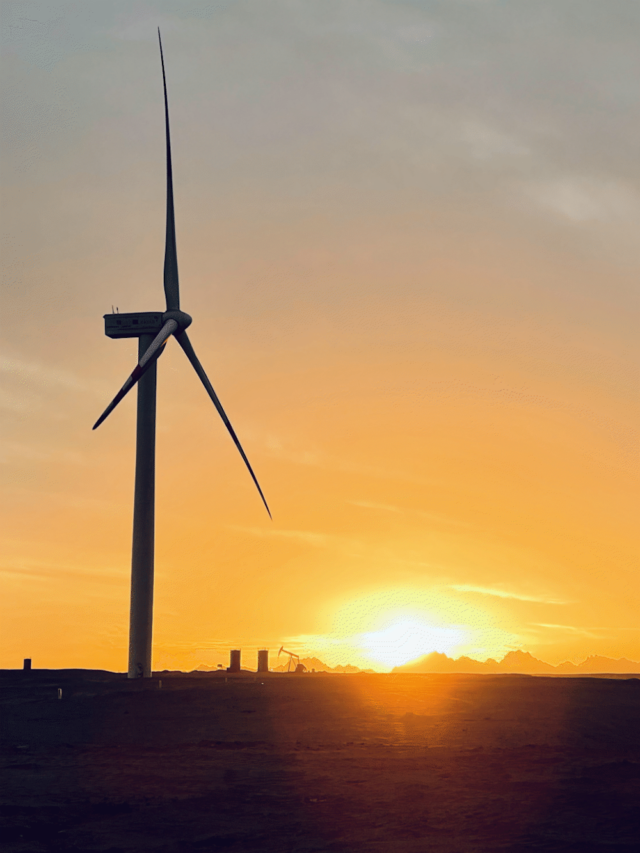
{"x": 408, "y": 235}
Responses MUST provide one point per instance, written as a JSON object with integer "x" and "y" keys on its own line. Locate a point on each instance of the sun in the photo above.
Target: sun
{"x": 406, "y": 639}
{"x": 392, "y": 626}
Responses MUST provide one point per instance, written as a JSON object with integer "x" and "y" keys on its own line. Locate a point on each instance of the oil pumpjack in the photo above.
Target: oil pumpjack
{"x": 297, "y": 667}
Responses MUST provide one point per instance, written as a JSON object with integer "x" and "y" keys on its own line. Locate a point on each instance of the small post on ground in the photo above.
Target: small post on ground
{"x": 26, "y": 666}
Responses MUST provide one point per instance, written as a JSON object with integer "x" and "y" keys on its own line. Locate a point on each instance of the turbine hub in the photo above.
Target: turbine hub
{"x": 181, "y": 317}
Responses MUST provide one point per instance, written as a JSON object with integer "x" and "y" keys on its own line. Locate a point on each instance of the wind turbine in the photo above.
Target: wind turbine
{"x": 153, "y": 330}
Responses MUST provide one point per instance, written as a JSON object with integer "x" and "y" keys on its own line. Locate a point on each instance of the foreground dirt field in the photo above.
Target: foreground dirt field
{"x": 319, "y": 762}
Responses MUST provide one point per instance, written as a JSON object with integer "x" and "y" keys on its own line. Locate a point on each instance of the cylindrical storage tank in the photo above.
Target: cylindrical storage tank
{"x": 263, "y": 660}
{"x": 234, "y": 662}
{"x": 27, "y": 664}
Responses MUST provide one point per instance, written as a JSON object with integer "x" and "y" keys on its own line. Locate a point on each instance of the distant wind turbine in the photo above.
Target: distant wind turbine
{"x": 153, "y": 330}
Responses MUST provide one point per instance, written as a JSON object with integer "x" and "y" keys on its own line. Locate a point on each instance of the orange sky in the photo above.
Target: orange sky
{"x": 407, "y": 234}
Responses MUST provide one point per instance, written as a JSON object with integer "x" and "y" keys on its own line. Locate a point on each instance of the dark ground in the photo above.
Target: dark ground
{"x": 319, "y": 763}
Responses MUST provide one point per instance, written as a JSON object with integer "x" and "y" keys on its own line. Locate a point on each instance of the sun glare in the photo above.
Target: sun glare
{"x": 391, "y": 627}
{"x": 407, "y": 639}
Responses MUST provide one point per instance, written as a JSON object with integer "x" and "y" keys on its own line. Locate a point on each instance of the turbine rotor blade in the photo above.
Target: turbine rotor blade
{"x": 171, "y": 284}
{"x": 185, "y": 343}
{"x": 152, "y": 354}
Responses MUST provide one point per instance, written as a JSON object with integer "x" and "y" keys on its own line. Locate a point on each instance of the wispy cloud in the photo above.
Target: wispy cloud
{"x": 39, "y": 569}
{"x": 288, "y": 451}
{"x": 312, "y": 641}
{"x": 486, "y": 142}
{"x": 376, "y": 506}
{"x": 499, "y": 592}
{"x": 42, "y": 374}
{"x": 307, "y": 537}
{"x": 10, "y": 451}
{"x": 27, "y": 382}
{"x": 585, "y": 199}
{"x": 432, "y": 517}
{"x": 571, "y": 629}
{"x": 318, "y": 458}
{"x": 299, "y": 456}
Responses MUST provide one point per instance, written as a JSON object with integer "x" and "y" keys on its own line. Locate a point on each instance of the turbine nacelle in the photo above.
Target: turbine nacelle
{"x": 133, "y": 325}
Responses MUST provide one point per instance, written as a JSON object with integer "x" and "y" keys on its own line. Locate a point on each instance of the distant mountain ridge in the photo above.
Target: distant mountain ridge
{"x": 518, "y": 662}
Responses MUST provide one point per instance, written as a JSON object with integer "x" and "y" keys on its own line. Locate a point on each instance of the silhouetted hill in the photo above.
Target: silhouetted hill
{"x": 439, "y": 662}
{"x": 317, "y": 665}
{"x": 597, "y": 663}
{"x": 518, "y": 662}
{"x": 310, "y": 663}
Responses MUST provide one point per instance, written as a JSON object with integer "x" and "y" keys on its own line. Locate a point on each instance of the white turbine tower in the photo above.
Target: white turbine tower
{"x": 153, "y": 330}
